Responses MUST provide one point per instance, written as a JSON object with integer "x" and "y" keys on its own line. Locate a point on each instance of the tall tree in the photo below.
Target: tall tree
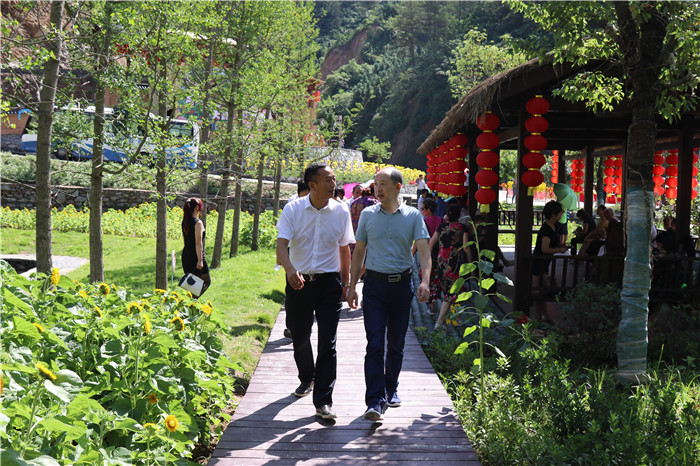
{"x": 47, "y": 95}
{"x": 656, "y": 45}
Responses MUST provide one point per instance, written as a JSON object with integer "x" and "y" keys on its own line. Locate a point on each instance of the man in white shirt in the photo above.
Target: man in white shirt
{"x": 313, "y": 247}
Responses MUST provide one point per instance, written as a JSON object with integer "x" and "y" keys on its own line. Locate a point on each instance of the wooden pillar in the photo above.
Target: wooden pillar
{"x": 473, "y": 168}
{"x": 523, "y": 227}
{"x": 685, "y": 178}
{"x": 589, "y": 174}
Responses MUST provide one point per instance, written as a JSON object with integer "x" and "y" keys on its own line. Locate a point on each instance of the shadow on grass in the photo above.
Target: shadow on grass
{"x": 243, "y": 329}
{"x": 276, "y": 296}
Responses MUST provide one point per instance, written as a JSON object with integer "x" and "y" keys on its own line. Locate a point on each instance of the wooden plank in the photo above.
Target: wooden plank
{"x": 272, "y": 425}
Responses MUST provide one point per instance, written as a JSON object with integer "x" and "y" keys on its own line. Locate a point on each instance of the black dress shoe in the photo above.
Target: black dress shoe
{"x": 287, "y": 333}
{"x": 304, "y": 389}
{"x": 326, "y": 412}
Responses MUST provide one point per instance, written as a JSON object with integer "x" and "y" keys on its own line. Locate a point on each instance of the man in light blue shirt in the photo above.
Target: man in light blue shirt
{"x": 385, "y": 234}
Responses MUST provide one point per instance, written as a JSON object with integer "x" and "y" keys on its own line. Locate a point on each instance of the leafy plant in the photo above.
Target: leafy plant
{"x": 94, "y": 373}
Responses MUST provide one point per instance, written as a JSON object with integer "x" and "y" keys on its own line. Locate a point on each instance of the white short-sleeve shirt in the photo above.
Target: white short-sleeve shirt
{"x": 315, "y": 235}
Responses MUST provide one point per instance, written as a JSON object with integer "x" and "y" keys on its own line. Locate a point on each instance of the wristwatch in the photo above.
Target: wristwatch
{"x": 345, "y": 285}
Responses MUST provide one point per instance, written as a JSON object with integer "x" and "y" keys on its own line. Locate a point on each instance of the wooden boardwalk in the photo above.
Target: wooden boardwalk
{"x": 272, "y": 426}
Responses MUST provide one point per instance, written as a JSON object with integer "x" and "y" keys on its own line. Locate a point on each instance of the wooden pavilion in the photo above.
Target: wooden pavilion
{"x": 572, "y": 127}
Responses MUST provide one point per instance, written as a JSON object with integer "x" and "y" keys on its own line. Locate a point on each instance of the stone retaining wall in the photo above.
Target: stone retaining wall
{"x": 19, "y": 196}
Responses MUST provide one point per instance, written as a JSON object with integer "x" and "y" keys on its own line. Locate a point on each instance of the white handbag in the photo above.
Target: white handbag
{"x": 192, "y": 283}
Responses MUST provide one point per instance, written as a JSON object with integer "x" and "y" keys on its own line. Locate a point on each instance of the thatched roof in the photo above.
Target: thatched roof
{"x": 477, "y": 101}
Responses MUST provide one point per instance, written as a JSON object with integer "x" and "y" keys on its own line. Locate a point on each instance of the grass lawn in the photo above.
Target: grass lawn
{"x": 246, "y": 289}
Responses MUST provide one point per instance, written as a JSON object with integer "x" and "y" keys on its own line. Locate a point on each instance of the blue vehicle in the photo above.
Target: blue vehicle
{"x": 184, "y": 153}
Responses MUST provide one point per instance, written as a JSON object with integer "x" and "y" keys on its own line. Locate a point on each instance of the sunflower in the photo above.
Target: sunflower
{"x": 2, "y": 385}
{"x": 83, "y": 294}
{"x": 147, "y": 325}
{"x": 151, "y": 425}
{"x": 134, "y": 306}
{"x": 45, "y": 371}
{"x": 104, "y": 288}
{"x": 38, "y": 327}
{"x": 179, "y": 320}
{"x": 206, "y": 309}
{"x": 152, "y": 398}
{"x": 98, "y": 310}
{"x": 159, "y": 291}
{"x": 55, "y": 275}
{"x": 171, "y": 423}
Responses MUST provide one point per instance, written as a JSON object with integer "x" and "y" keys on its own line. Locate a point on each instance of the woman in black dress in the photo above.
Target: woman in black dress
{"x": 193, "y": 260}
{"x": 548, "y": 242}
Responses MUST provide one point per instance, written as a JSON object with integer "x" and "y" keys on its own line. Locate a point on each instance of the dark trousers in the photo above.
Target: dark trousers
{"x": 321, "y": 298}
{"x": 386, "y": 309}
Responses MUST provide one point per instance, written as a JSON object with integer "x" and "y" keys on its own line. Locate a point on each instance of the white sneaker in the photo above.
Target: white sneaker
{"x": 373, "y": 415}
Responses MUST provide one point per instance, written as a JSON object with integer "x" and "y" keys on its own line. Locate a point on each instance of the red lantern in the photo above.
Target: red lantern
{"x": 672, "y": 182}
{"x": 672, "y": 159}
{"x": 694, "y": 183}
{"x": 487, "y": 141}
{"x": 538, "y": 105}
{"x": 534, "y": 160}
{"x": 608, "y": 162}
{"x": 489, "y": 121}
{"x": 533, "y": 178}
{"x": 658, "y": 160}
{"x": 695, "y": 171}
{"x": 536, "y": 142}
{"x": 693, "y": 194}
{"x": 657, "y": 170}
{"x": 536, "y": 124}
{"x": 658, "y": 180}
{"x": 460, "y": 139}
{"x": 486, "y": 177}
{"x": 609, "y": 171}
{"x": 485, "y": 196}
{"x": 487, "y": 159}
{"x": 672, "y": 170}
{"x": 671, "y": 193}
{"x": 618, "y": 172}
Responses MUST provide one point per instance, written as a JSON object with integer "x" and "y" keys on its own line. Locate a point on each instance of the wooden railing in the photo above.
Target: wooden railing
{"x": 506, "y": 221}
{"x": 674, "y": 279}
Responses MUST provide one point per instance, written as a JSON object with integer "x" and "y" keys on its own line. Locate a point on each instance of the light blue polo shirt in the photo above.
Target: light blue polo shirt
{"x": 389, "y": 238}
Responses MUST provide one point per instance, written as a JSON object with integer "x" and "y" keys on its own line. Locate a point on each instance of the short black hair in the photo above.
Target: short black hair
{"x": 551, "y": 208}
{"x": 302, "y": 186}
{"x": 453, "y": 212}
{"x": 312, "y": 170}
{"x": 339, "y": 192}
{"x": 429, "y": 204}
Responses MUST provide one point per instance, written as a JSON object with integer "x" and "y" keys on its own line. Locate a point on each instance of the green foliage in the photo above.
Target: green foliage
{"x": 474, "y": 61}
{"x": 374, "y": 150}
{"x": 113, "y": 376}
{"x": 138, "y": 222}
{"x": 591, "y": 315}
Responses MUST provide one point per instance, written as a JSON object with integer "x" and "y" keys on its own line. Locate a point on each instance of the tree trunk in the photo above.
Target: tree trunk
{"x": 254, "y": 243}
{"x": 641, "y": 45}
{"x": 278, "y": 185}
{"x": 96, "y": 177}
{"x": 239, "y": 194}
{"x": 223, "y": 200}
{"x": 47, "y": 97}
{"x": 96, "y": 254}
{"x": 204, "y": 136}
{"x": 161, "y": 187}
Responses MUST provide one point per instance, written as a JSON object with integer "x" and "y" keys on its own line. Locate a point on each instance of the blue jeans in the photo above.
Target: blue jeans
{"x": 386, "y": 309}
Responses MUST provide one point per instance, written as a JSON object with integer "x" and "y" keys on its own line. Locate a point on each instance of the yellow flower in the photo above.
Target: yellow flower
{"x": 104, "y": 288}
{"x": 2, "y": 385}
{"x": 179, "y": 320}
{"x": 151, "y": 425}
{"x": 152, "y": 398}
{"x": 98, "y": 310}
{"x": 171, "y": 423}
{"x": 175, "y": 294}
{"x": 38, "y": 327}
{"x": 147, "y": 325}
{"x": 206, "y": 309}
{"x": 83, "y": 294}
{"x": 189, "y": 295}
{"x": 159, "y": 291}
{"x": 134, "y": 306}
{"x": 55, "y": 275}
{"x": 45, "y": 372}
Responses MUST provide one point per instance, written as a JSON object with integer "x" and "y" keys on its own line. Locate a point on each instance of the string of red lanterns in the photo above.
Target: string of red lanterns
{"x": 672, "y": 175}
{"x": 487, "y": 160}
{"x": 555, "y": 166}
{"x": 694, "y": 192}
{"x": 535, "y": 142}
{"x": 446, "y": 166}
{"x": 658, "y": 170}
{"x": 577, "y": 174}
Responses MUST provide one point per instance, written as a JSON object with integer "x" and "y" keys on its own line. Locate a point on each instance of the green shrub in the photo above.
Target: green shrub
{"x": 591, "y": 314}
{"x": 94, "y": 374}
